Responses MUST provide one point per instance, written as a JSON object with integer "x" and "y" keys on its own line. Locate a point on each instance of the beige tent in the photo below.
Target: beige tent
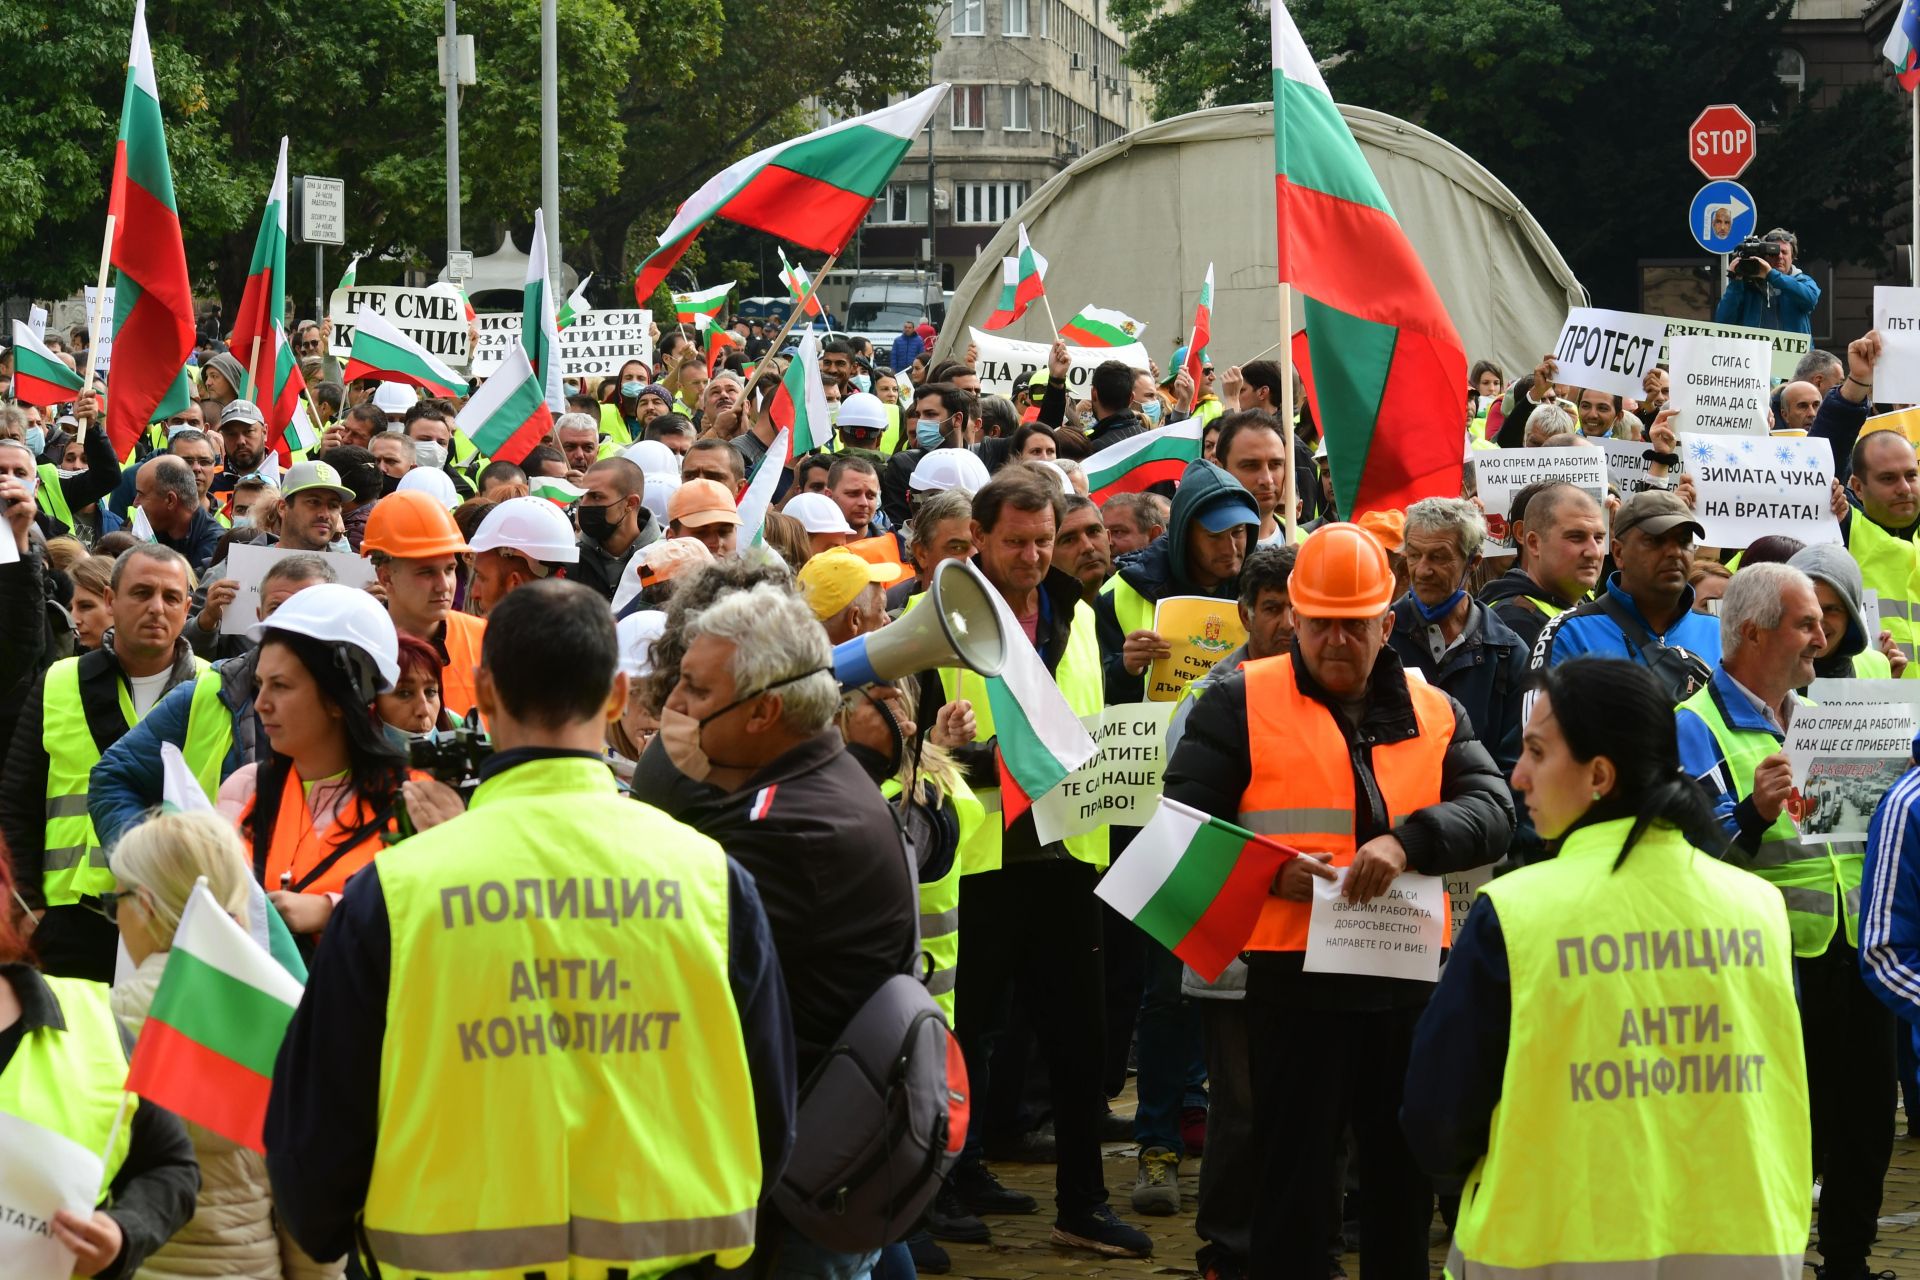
{"x": 1133, "y": 225}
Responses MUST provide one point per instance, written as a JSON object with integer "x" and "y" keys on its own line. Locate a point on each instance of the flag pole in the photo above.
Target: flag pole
{"x": 253, "y": 361}
{"x": 1055, "y": 324}
{"x": 793, "y": 313}
{"x": 1289, "y": 489}
{"x": 93, "y": 330}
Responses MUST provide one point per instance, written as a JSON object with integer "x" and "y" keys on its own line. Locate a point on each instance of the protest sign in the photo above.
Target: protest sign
{"x": 1462, "y": 888}
{"x": 1497, "y": 477}
{"x": 1748, "y": 487}
{"x": 435, "y": 317}
{"x": 1866, "y": 693}
{"x": 1905, "y": 421}
{"x": 1121, "y": 784}
{"x": 41, "y": 1173}
{"x": 1896, "y": 314}
{"x": 37, "y": 321}
{"x": 595, "y": 345}
{"x": 248, "y": 564}
{"x": 1870, "y": 617}
{"x": 1397, "y": 935}
{"x": 1720, "y": 385}
{"x": 1608, "y": 351}
{"x": 1788, "y": 348}
{"x": 1844, "y": 759}
{"x": 1005, "y": 364}
{"x": 103, "y": 344}
{"x": 1201, "y": 630}
{"x": 1627, "y": 466}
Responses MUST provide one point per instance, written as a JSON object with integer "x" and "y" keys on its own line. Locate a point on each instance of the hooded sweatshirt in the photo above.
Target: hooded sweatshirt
{"x": 1159, "y": 570}
{"x": 1858, "y": 655}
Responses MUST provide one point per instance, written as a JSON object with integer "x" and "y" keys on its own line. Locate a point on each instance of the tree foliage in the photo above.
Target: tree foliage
{"x": 1580, "y": 109}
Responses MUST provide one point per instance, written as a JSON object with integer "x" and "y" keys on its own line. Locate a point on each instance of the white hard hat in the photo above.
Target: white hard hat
{"x": 339, "y": 614}
{"x": 863, "y": 409}
{"x": 434, "y": 482}
{"x": 532, "y": 526}
{"x": 653, "y": 458}
{"x": 1066, "y": 482}
{"x": 818, "y": 513}
{"x": 942, "y": 469}
{"x": 659, "y": 494}
{"x": 638, "y": 631}
{"x": 393, "y": 397}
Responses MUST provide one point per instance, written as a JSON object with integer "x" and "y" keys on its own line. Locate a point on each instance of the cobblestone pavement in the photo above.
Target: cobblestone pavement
{"x": 1021, "y": 1249}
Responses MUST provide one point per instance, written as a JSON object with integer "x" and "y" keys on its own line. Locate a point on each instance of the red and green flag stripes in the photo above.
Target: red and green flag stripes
{"x": 718, "y": 340}
{"x": 288, "y": 427}
{"x": 1099, "y": 327}
{"x": 557, "y": 490}
{"x": 539, "y": 331}
{"x": 39, "y": 376}
{"x": 1202, "y": 330}
{"x": 755, "y": 502}
{"x": 576, "y": 304}
{"x": 256, "y": 326}
{"x": 1147, "y": 459}
{"x": 799, "y": 288}
{"x": 1382, "y": 362}
{"x": 1038, "y": 738}
{"x": 1021, "y": 284}
{"x": 382, "y": 351}
{"x": 153, "y": 301}
{"x": 1194, "y": 884}
{"x": 702, "y": 307}
{"x": 1007, "y": 308}
{"x": 800, "y": 402}
{"x": 812, "y": 192}
{"x": 508, "y": 415}
{"x": 222, "y": 1007}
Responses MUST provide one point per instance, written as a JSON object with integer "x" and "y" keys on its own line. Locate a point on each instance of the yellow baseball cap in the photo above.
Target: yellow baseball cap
{"x": 833, "y": 579}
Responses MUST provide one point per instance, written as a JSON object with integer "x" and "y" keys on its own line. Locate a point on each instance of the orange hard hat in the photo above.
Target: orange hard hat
{"x": 1388, "y": 527}
{"x": 1341, "y": 572}
{"x": 410, "y": 525}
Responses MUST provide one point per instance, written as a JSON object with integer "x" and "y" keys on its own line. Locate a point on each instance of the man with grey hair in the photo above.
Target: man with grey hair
{"x": 749, "y": 730}
{"x": 397, "y": 454}
{"x": 1731, "y": 737}
{"x": 942, "y": 529}
{"x": 1822, "y": 368}
{"x": 579, "y": 437}
{"x": 1452, "y": 639}
{"x": 167, "y": 492}
{"x": 724, "y": 391}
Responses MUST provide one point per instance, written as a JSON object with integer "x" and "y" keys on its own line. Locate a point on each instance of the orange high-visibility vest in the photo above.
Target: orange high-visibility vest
{"x": 1302, "y": 787}
{"x": 462, "y": 640}
{"x": 300, "y": 853}
{"x": 883, "y": 550}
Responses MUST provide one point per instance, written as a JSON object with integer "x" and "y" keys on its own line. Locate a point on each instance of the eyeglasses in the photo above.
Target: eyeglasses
{"x": 107, "y": 904}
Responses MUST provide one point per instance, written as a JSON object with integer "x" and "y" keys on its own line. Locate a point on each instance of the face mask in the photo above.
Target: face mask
{"x": 401, "y": 737}
{"x": 929, "y": 435}
{"x": 341, "y": 545}
{"x": 863, "y": 382}
{"x": 1442, "y": 609}
{"x": 632, "y": 390}
{"x": 37, "y": 440}
{"x": 243, "y": 522}
{"x": 65, "y": 474}
{"x": 680, "y": 732}
{"x": 599, "y": 523}
{"x": 833, "y": 412}
{"x": 430, "y": 454}
{"x": 388, "y": 484}
{"x": 1151, "y": 410}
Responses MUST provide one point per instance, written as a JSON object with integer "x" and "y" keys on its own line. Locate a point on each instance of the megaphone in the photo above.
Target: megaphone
{"x": 957, "y": 625}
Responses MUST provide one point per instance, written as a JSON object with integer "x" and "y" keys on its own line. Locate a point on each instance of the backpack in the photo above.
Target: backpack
{"x": 1681, "y": 672}
{"x": 881, "y": 1119}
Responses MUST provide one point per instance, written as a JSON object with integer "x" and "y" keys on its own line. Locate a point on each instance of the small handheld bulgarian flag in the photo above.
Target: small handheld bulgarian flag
{"x": 382, "y": 351}
{"x": 755, "y": 502}
{"x": 1149, "y": 458}
{"x": 294, "y": 430}
{"x": 39, "y": 376}
{"x": 1022, "y": 283}
{"x": 576, "y": 304}
{"x": 799, "y": 287}
{"x": 718, "y": 340}
{"x": 219, "y": 1014}
{"x": 1099, "y": 327}
{"x": 508, "y": 415}
{"x": 1194, "y": 883}
{"x": 539, "y": 332}
{"x": 347, "y": 276}
{"x": 1202, "y": 332}
{"x": 557, "y": 490}
{"x": 800, "y": 401}
{"x": 689, "y": 308}
{"x": 1038, "y": 737}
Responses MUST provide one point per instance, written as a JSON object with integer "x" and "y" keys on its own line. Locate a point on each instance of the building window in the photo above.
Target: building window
{"x": 969, "y": 17}
{"x": 1046, "y": 110}
{"x": 901, "y": 204}
{"x": 1790, "y": 68}
{"x": 969, "y": 106}
{"x": 1017, "y": 99}
{"x": 1016, "y": 18}
{"x": 987, "y": 202}
{"x": 1046, "y": 18}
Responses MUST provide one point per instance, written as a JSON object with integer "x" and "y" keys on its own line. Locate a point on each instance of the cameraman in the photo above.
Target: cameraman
{"x": 1765, "y": 290}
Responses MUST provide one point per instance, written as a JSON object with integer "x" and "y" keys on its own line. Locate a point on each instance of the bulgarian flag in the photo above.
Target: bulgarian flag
{"x": 1147, "y": 459}
{"x": 153, "y": 301}
{"x": 799, "y": 288}
{"x": 347, "y": 276}
{"x": 718, "y": 340}
{"x": 219, "y": 1014}
{"x": 1382, "y": 363}
{"x": 539, "y": 333}
{"x": 382, "y": 351}
{"x": 1099, "y": 327}
{"x": 39, "y": 376}
{"x": 758, "y": 498}
{"x": 1202, "y": 331}
{"x": 576, "y": 304}
{"x": 256, "y": 326}
{"x": 799, "y": 404}
{"x": 702, "y": 307}
{"x": 1194, "y": 884}
{"x": 297, "y": 432}
{"x": 813, "y": 191}
{"x": 1021, "y": 284}
{"x": 556, "y": 490}
{"x": 1039, "y": 739}
{"x": 508, "y": 415}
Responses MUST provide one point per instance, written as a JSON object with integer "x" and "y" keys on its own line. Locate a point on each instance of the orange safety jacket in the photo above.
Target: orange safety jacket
{"x": 307, "y": 857}
{"x": 461, "y": 639}
{"x": 1303, "y": 778}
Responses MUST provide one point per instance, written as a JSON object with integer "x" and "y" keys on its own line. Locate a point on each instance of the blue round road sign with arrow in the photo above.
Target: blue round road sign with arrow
{"x": 1722, "y": 216}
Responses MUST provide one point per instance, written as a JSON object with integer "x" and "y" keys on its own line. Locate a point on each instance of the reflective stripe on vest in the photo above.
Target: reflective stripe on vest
{"x": 1890, "y": 566}
{"x": 940, "y": 900}
{"x": 1133, "y": 611}
{"x": 560, "y": 968}
{"x": 1809, "y": 876}
{"x": 1652, "y": 1121}
{"x": 49, "y": 495}
{"x": 70, "y": 1080}
{"x": 1302, "y": 785}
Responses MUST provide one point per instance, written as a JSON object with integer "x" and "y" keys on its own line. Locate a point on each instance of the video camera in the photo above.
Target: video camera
{"x": 452, "y": 756}
{"x": 1752, "y": 252}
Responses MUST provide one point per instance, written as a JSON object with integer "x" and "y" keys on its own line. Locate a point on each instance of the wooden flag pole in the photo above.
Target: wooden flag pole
{"x": 1289, "y": 491}
{"x": 793, "y": 314}
{"x": 93, "y": 329}
{"x": 253, "y": 361}
{"x": 1051, "y": 322}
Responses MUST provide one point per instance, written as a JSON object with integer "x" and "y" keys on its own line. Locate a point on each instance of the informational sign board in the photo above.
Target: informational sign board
{"x": 1608, "y": 351}
{"x": 1629, "y": 467}
{"x": 595, "y": 345}
{"x": 103, "y": 342}
{"x": 1720, "y": 385}
{"x": 1498, "y": 476}
{"x": 41, "y": 1173}
{"x": 1788, "y": 348}
{"x": 1844, "y": 759}
{"x": 1398, "y": 935}
{"x": 1200, "y": 630}
{"x": 1896, "y": 314}
{"x": 1748, "y": 487}
{"x": 248, "y": 564}
{"x": 323, "y": 210}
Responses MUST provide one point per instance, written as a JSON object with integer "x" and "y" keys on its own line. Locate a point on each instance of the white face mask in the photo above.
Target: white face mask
{"x": 430, "y": 454}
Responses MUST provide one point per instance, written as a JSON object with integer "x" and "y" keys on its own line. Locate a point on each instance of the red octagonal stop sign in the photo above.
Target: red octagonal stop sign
{"x": 1721, "y": 142}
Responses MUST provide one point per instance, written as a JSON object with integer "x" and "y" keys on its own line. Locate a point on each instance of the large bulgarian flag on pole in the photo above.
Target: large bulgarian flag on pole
{"x": 153, "y": 301}
{"x": 539, "y": 331}
{"x": 1038, "y": 739}
{"x": 258, "y": 338}
{"x": 812, "y": 192}
{"x": 1134, "y": 464}
{"x": 1382, "y": 362}
{"x": 1202, "y": 332}
{"x": 1194, "y": 883}
{"x": 219, "y": 1014}
{"x": 382, "y": 351}
{"x": 39, "y": 376}
{"x": 799, "y": 404}
{"x": 508, "y": 415}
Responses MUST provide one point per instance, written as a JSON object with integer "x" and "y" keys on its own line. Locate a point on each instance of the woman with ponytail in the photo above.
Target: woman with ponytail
{"x": 1612, "y": 1060}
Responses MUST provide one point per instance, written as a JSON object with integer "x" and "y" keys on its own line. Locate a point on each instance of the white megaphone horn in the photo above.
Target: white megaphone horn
{"x": 955, "y": 626}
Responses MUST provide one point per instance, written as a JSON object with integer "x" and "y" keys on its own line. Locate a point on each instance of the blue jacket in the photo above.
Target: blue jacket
{"x": 905, "y": 348}
{"x": 1588, "y": 631}
{"x": 1486, "y": 674}
{"x": 1890, "y": 905}
{"x": 1781, "y": 301}
{"x": 1700, "y": 757}
{"x": 1838, "y": 422}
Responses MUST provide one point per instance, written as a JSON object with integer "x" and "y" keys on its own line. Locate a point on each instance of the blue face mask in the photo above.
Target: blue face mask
{"x": 1151, "y": 410}
{"x": 862, "y": 382}
{"x": 632, "y": 390}
{"x": 930, "y": 435}
{"x": 1445, "y": 607}
{"x": 36, "y": 440}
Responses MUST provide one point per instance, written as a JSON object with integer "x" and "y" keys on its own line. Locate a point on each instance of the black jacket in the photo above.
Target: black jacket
{"x": 199, "y": 543}
{"x": 100, "y": 478}
{"x": 1486, "y": 674}
{"x": 600, "y": 568}
{"x": 1511, "y": 595}
{"x": 29, "y": 638}
{"x": 1113, "y": 429}
{"x": 1470, "y": 827}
